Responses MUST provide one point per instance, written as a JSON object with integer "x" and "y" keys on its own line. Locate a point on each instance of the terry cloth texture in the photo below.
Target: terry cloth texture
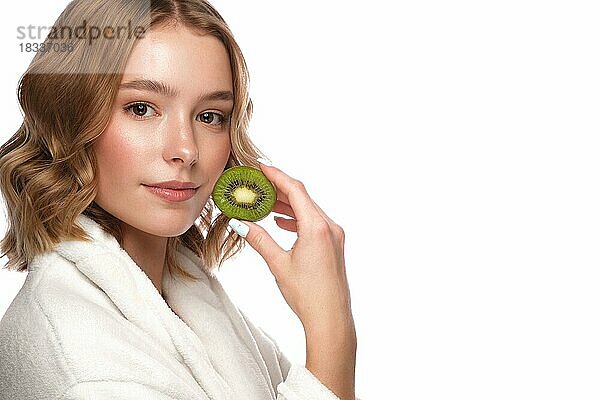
{"x": 88, "y": 323}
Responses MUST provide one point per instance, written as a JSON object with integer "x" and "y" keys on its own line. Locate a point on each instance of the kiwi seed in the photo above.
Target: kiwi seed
{"x": 244, "y": 193}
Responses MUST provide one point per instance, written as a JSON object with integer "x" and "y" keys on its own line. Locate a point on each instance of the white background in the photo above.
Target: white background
{"x": 457, "y": 143}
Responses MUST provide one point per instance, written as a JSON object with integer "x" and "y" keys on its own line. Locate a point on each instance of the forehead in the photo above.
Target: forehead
{"x": 180, "y": 56}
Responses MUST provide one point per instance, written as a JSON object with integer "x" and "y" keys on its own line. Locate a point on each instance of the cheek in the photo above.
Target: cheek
{"x": 213, "y": 148}
{"x": 118, "y": 156}
{"x": 217, "y": 155}
{"x": 225, "y": 149}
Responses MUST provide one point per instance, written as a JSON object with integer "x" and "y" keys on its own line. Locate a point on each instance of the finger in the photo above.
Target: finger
{"x": 283, "y": 208}
{"x": 260, "y": 240}
{"x": 287, "y": 224}
{"x": 283, "y": 198}
{"x": 325, "y": 216}
{"x": 300, "y": 202}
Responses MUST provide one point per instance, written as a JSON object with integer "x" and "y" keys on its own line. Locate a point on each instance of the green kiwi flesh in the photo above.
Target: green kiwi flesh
{"x": 244, "y": 193}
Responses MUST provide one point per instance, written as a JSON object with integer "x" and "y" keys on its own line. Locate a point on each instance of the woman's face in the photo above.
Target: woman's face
{"x": 154, "y": 137}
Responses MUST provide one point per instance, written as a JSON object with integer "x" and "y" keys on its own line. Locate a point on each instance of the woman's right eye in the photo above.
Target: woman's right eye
{"x": 138, "y": 109}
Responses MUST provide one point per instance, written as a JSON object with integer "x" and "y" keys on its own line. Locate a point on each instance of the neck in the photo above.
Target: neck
{"x": 148, "y": 251}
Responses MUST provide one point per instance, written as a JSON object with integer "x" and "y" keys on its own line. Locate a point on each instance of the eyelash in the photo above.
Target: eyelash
{"x": 224, "y": 118}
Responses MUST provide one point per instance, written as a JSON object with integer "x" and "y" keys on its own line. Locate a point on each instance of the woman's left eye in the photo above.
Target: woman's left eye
{"x": 209, "y": 118}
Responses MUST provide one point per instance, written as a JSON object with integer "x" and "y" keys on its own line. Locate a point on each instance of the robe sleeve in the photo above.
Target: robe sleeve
{"x": 299, "y": 383}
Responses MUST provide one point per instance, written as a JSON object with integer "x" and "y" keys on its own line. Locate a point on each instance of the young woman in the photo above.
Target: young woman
{"x": 120, "y": 301}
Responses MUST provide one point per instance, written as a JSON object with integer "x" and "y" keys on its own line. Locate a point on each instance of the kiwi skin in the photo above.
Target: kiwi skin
{"x": 244, "y": 193}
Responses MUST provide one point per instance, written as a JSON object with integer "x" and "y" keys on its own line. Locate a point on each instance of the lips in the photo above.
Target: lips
{"x": 172, "y": 195}
{"x": 174, "y": 184}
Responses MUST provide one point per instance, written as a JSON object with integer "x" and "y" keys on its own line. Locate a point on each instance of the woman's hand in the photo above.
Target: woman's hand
{"x": 312, "y": 274}
{"x": 312, "y": 278}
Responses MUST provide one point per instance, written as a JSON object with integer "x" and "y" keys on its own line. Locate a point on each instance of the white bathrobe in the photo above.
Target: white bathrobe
{"x": 89, "y": 324}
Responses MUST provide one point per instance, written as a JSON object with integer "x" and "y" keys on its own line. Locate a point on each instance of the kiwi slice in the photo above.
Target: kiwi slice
{"x": 244, "y": 193}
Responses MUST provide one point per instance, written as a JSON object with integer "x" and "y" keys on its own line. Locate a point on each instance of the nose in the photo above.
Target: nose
{"x": 181, "y": 144}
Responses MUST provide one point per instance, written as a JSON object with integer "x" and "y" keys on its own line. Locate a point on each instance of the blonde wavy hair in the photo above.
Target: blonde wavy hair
{"x": 47, "y": 168}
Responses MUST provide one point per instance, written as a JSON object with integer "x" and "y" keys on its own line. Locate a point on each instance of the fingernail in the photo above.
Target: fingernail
{"x": 264, "y": 161}
{"x": 239, "y": 227}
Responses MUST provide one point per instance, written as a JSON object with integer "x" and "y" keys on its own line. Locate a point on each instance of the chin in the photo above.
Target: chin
{"x": 170, "y": 228}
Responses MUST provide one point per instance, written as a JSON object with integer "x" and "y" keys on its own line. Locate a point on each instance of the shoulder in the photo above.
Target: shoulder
{"x": 32, "y": 361}
{"x": 26, "y": 343}
{"x": 55, "y": 292}
{"x": 61, "y": 329}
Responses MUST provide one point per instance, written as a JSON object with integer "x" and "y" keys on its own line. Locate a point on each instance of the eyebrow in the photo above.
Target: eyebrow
{"x": 166, "y": 90}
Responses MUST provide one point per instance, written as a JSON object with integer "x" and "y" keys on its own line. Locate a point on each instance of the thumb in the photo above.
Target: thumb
{"x": 260, "y": 240}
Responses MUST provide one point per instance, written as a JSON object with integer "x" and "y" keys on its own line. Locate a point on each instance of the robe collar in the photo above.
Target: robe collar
{"x": 111, "y": 268}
